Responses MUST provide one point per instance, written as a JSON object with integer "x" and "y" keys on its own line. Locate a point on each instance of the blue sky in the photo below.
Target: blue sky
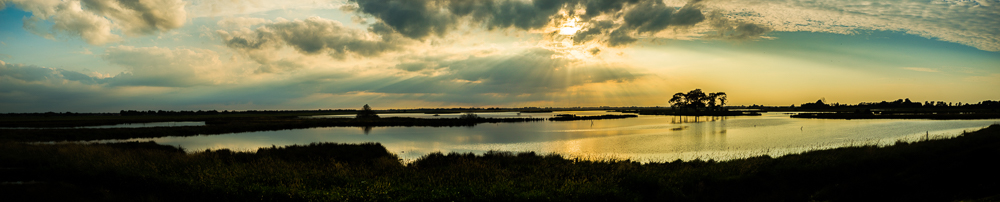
{"x": 104, "y": 56}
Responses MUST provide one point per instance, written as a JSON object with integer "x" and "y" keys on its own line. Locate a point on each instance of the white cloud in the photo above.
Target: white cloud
{"x": 972, "y": 23}
{"x": 97, "y": 20}
{"x": 312, "y": 36}
{"x": 74, "y": 20}
{"x": 214, "y": 8}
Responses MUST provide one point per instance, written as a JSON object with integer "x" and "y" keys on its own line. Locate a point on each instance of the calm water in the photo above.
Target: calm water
{"x": 646, "y": 138}
{"x": 126, "y": 125}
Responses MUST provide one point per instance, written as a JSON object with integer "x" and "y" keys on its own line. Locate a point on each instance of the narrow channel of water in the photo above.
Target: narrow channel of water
{"x": 125, "y": 125}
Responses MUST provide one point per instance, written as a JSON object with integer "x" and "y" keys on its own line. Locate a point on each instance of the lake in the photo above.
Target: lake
{"x": 644, "y": 139}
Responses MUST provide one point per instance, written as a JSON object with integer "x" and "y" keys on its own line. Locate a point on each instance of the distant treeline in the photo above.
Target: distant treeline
{"x": 211, "y": 112}
{"x": 416, "y": 110}
{"x": 59, "y": 114}
{"x": 905, "y": 103}
{"x": 163, "y": 112}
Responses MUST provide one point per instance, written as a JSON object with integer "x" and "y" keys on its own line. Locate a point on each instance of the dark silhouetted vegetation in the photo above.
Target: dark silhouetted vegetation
{"x": 959, "y": 168}
{"x": 902, "y": 109}
{"x": 866, "y": 114}
{"x": 906, "y": 103}
{"x": 695, "y": 103}
{"x": 696, "y": 100}
{"x": 366, "y": 113}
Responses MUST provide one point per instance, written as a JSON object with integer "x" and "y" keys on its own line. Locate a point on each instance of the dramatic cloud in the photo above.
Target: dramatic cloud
{"x": 614, "y": 22}
{"x": 95, "y": 20}
{"x": 622, "y": 22}
{"x": 140, "y": 16}
{"x": 969, "y": 22}
{"x": 726, "y": 28}
{"x": 310, "y": 36}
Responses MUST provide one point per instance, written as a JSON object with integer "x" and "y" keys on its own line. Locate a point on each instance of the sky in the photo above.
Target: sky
{"x": 111, "y": 55}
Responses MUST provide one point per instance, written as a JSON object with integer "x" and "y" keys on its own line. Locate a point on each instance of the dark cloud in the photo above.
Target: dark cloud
{"x": 602, "y": 7}
{"x": 736, "y": 30}
{"x": 314, "y": 36}
{"x": 412, "y": 18}
{"x": 593, "y": 31}
{"x": 140, "y": 17}
{"x": 687, "y": 16}
{"x": 419, "y": 19}
{"x": 620, "y": 37}
{"x": 522, "y": 15}
{"x": 648, "y": 16}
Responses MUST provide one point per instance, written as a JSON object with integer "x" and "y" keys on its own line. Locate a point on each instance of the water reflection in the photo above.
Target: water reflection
{"x": 125, "y": 125}
{"x": 646, "y": 138}
{"x": 366, "y": 129}
{"x": 695, "y": 119}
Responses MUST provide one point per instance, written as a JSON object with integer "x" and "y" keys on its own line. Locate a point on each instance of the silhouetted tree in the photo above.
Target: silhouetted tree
{"x": 366, "y": 113}
{"x": 817, "y": 104}
{"x": 721, "y": 96}
{"x": 679, "y": 100}
{"x": 696, "y": 99}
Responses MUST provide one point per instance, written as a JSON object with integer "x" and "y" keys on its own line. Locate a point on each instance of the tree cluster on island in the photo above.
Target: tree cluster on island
{"x": 696, "y": 100}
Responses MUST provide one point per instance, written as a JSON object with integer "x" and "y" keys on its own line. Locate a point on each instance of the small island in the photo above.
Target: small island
{"x": 696, "y": 103}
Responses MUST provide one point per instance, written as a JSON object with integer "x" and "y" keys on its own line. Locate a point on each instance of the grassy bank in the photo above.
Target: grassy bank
{"x": 959, "y": 168}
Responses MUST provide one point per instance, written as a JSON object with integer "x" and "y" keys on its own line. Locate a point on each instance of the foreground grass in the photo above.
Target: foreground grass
{"x": 960, "y": 168}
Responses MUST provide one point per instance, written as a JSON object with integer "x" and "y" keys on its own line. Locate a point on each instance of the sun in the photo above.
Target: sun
{"x": 570, "y": 27}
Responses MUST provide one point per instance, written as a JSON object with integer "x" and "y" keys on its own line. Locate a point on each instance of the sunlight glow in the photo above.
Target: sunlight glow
{"x": 570, "y": 27}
